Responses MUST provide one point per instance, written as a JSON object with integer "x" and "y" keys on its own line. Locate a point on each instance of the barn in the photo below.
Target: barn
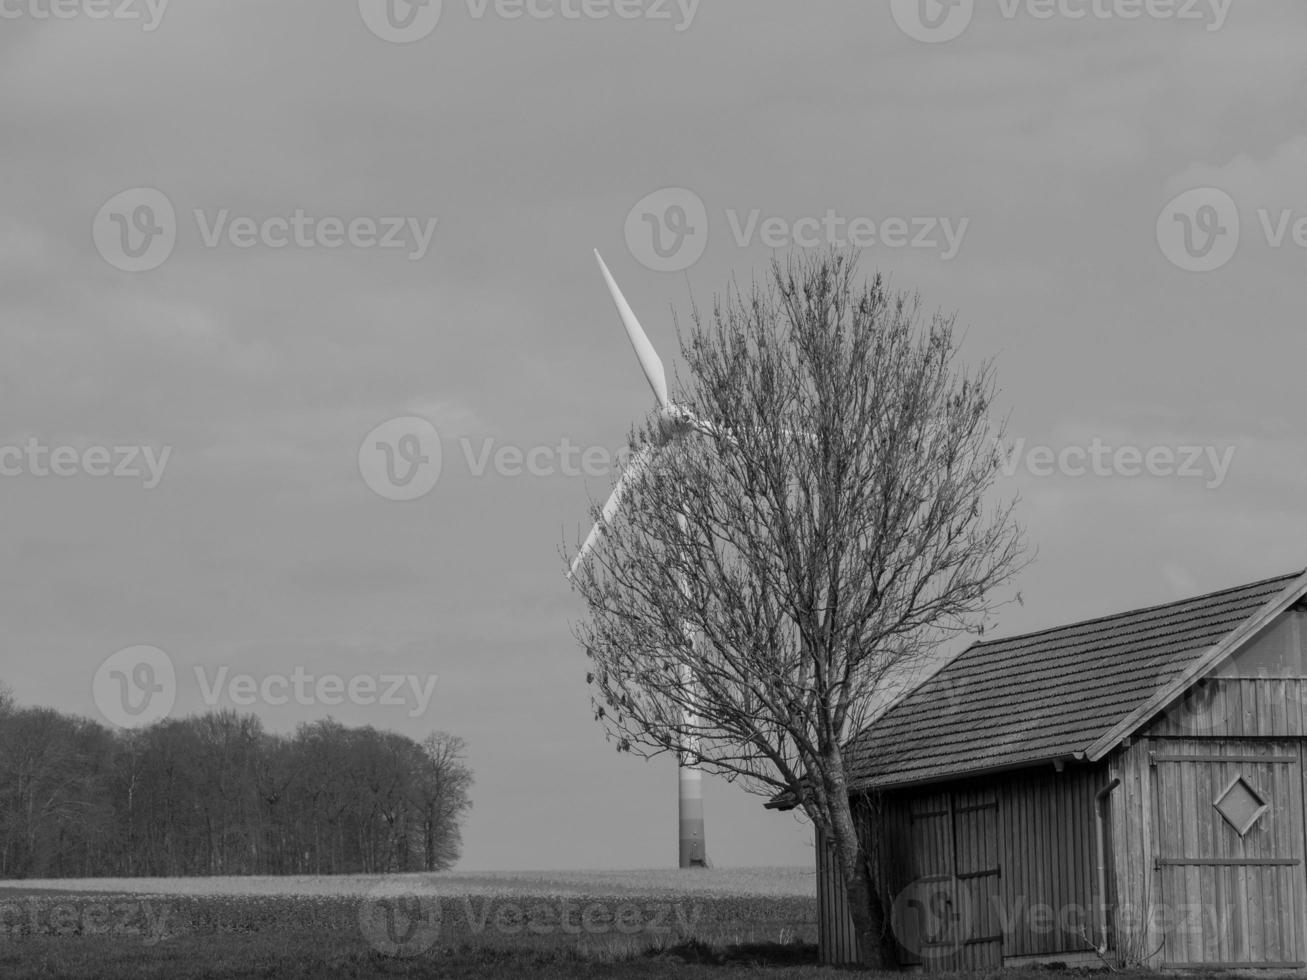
{"x": 1127, "y": 789}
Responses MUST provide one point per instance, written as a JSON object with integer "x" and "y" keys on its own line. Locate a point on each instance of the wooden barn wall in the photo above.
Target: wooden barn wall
{"x": 943, "y": 869}
{"x": 1049, "y": 860}
{"x": 1192, "y": 892}
{"x": 1237, "y": 707}
{"x": 1021, "y": 847}
{"x": 836, "y": 942}
{"x": 1131, "y": 815}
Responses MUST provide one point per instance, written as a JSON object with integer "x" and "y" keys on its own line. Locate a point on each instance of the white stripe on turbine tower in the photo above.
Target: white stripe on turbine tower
{"x": 690, "y": 832}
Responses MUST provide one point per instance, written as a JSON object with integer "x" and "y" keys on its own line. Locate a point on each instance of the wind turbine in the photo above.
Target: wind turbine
{"x": 676, "y": 422}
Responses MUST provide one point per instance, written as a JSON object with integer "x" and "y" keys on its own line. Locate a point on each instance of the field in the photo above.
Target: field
{"x": 568, "y": 924}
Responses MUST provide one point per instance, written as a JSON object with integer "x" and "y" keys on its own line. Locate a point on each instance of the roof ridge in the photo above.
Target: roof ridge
{"x": 1135, "y": 612}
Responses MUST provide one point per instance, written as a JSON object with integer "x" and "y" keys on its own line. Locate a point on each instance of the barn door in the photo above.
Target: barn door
{"x": 1228, "y": 826}
{"x": 948, "y": 918}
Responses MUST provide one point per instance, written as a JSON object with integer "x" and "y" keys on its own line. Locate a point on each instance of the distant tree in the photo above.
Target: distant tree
{"x": 823, "y": 527}
{"x": 442, "y": 794}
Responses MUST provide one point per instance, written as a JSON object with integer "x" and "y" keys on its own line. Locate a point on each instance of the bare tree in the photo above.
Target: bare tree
{"x": 825, "y": 525}
{"x": 442, "y": 791}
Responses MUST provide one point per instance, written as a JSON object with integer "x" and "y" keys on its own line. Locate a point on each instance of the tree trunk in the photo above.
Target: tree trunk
{"x": 876, "y": 946}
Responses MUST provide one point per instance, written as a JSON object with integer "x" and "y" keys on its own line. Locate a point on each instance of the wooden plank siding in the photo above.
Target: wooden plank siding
{"x": 1193, "y": 892}
{"x": 980, "y": 870}
{"x": 1130, "y": 810}
{"x": 1238, "y": 707}
{"x": 1049, "y": 860}
{"x": 837, "y": 943}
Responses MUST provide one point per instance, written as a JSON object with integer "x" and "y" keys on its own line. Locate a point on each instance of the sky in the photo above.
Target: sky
{"x": 307, "y": 371}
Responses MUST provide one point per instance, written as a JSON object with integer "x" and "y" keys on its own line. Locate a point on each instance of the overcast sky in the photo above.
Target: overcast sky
{"x": 1018, "y": 164}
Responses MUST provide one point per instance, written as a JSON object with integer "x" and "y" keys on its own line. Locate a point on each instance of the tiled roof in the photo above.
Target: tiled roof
{"x": 1046, "y": 695}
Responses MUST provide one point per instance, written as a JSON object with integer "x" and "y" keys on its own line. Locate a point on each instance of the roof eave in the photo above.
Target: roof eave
{"x": 953, "y": 777}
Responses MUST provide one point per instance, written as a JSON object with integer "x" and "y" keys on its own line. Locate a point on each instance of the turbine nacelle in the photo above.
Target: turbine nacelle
{"x": 673, "y": 422}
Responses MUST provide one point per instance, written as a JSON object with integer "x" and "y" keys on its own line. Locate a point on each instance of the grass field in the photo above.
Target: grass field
{"x": 569, "y": 924}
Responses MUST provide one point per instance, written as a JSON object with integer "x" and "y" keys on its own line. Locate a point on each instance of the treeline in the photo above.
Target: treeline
{"x": 215, "y": 794}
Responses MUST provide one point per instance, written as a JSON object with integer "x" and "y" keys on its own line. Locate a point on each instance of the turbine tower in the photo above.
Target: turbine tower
{"x": 677, "y": 423}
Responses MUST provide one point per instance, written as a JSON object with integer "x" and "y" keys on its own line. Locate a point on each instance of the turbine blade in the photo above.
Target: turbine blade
{"x": 614, "y": 503}
{"x": 650, "y": 363}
